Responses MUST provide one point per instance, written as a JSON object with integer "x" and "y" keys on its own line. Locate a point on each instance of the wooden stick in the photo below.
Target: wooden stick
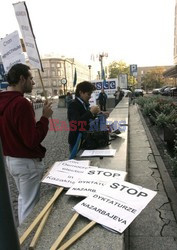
{"x": 45, "y": 95}
{"x": 39, "y": 217}
{"x": 40, "y": 228}
{"x": 77, "y": 236}
{"x": 64, "y": 232}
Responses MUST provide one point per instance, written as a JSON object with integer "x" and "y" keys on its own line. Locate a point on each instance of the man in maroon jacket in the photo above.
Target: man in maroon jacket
{"x": 21, "y": 137}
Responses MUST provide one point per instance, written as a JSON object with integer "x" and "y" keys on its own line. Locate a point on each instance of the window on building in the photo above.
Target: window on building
{"x": 58, "y": 65}
{"x": 58, "y": 73}
{"x": 53, "y": 65}
{"x": 45, "y": 83}
{"x": 54, "y": 83}
{"x": 53, "y": 73}
{"x": 45, "y": 73}
{"x": 45, "y": 64}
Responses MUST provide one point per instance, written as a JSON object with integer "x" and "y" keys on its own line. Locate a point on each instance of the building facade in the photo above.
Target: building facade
{"x": 172, "y": 72}
{"x": 58, "y": 76}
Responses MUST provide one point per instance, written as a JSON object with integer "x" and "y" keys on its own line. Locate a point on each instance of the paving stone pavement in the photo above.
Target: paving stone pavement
{"x": 56, "y": 144}
{"x": 155, "y": 228}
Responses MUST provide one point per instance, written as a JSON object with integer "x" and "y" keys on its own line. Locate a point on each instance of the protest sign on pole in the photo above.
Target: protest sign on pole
{"x": 116, "y": 205}
{"x": 93, "y": 179}
{"x": 24, "y": 22}
{"x": 11, "y": 50}
{"x": 25, "y": 25}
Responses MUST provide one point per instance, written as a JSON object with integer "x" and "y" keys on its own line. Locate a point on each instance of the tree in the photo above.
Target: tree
{"x": 120, "y": 67}
{"x": 153, "y": 79}
{"x": 117, "y": 68}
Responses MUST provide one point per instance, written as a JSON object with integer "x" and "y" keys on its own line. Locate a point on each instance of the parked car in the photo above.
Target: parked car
{"x": 173, "y": 91}
{"x": 127, "y": 92}
{"x": 138, "y": 92}
{"x": 156, "y": 91}
{"x": 165, "y": 90}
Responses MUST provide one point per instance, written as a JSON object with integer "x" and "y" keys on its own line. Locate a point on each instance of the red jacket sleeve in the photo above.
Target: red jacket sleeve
{"x": 32, "y": 133}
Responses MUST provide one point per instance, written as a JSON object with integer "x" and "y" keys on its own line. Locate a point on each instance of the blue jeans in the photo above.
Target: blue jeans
{"x": 27, "y": 174}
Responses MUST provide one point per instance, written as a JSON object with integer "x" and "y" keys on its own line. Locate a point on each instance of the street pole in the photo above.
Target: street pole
{"x": 101, "y": 62}
{"x": 8, "y": 233}
{"x": 89, "y": 66}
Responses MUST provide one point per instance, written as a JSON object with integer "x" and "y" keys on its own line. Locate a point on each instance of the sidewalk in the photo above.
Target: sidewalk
{"x": 155, "y": 228}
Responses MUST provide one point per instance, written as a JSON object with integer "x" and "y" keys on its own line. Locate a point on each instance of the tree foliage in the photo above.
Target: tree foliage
{"x": 153, "y": 79}
{"x": 120, "y": 67}
{"x": 117, "y": 68}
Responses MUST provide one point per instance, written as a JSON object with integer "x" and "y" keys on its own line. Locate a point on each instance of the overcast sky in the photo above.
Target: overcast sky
{"x": 136, "y": 31}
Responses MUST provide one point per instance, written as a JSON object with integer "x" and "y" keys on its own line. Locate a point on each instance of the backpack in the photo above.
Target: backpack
{"x": 97, "y": 136}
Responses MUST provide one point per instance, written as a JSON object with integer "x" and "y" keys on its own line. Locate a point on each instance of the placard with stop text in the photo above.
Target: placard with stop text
{"x": 116, "y": 205}
{"x": 93, "y": 179}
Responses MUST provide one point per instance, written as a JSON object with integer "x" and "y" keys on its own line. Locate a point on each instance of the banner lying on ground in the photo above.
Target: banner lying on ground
{"x": 11, "y": 50}
{"x": 24, "y": 22}
{"x": 93, "y": 179}
{"x": 116, "y": 205}
{"x": 65, "y": 173}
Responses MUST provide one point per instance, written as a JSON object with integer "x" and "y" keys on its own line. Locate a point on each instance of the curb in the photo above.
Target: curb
{"x": 166, "y": 180}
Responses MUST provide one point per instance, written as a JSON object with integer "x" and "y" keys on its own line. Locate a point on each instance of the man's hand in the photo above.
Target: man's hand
{"x": 47, "y": 110}
{"x": 94, "y": 110}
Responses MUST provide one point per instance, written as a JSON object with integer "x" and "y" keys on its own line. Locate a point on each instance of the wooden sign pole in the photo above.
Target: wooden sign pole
{"x": 64, "y": 232}
{"x": 40, "y": 216}
{"x": 45, "y": 95}
{"x": 77, "y": 236}
{"x": 39, "y": 230}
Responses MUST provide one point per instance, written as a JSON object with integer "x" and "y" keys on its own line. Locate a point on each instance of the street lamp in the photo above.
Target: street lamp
{"x": 103, "y": 54}
{"x": 89, "y": 66}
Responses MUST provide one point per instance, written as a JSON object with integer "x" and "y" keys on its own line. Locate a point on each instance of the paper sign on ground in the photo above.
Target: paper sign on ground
{"x": 93, "y": 179}
{"x": 97, "y": 152}
{"x": 116, "y": 205}
{"x": 65, "y": 173}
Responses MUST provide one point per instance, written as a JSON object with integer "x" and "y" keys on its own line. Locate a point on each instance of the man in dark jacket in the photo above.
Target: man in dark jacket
{"x": 21, "y": 137}
{"x": 102, "y": 98}
{"x": 79, "y": 112}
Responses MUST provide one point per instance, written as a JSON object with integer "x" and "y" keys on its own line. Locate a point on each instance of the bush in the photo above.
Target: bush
{"x": 163, "y": 113}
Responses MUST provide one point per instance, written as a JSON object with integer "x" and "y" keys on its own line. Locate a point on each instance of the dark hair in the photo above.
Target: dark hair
{"x": 13, "y": 76}
{"x": 84, "y": 87}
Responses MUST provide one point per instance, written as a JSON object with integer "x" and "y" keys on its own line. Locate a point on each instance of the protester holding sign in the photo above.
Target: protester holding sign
{"x": 79, "y": 112}
{"x": 21, "y": 137}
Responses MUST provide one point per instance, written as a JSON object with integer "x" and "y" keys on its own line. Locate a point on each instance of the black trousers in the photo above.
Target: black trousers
{"x": 103, "y": 106}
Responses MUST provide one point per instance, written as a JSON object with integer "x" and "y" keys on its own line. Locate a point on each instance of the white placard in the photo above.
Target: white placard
{"x": 94, "y": 179}
{"x": 13, "y": 60}
{"x": 98, "y": 152}
{"x": 116, "y": 205}
{"x": 65, "y": 173}
{"x": 92, "y": 100}
{"x": 11, "y": 50}
{"x": 27, "y": 33}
